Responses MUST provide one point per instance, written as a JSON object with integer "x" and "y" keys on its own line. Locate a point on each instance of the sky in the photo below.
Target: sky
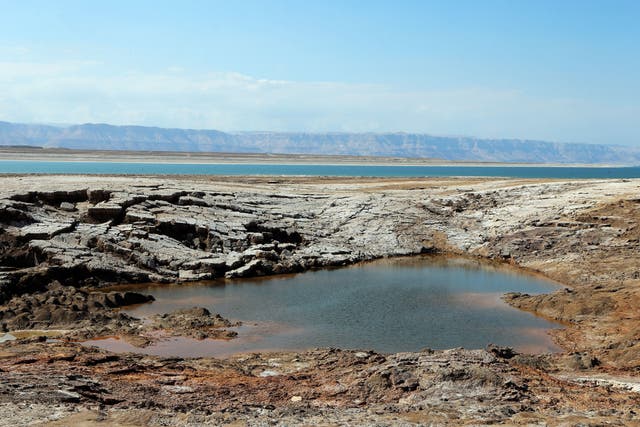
{"x": 565, "y": 71}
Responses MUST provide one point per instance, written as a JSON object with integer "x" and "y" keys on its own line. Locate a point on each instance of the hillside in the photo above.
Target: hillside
{"x": 103, "y": 136}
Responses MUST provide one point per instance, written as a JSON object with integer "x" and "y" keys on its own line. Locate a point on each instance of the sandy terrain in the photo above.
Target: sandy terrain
{"x": 67, "y": 155}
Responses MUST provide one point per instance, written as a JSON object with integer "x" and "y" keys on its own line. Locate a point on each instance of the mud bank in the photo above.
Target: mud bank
{"x": 90, "y": 232}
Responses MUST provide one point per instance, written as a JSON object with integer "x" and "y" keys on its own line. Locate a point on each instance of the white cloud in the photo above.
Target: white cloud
{"x": 81, "y": 91}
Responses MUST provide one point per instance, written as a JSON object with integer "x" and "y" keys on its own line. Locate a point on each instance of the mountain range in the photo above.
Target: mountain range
{"x": 410, "y": 145}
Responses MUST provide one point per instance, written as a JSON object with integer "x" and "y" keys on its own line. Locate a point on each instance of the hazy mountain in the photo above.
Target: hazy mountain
{"x": 108, "y": 137}
{"x": 102, "y": 136}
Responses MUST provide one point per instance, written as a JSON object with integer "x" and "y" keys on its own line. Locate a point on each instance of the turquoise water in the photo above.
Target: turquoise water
{"x": 404, "y": 304}
{"x": 16, "y": 166}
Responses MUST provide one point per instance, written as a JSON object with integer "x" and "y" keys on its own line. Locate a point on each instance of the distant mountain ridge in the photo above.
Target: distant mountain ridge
{"x": 141, "y": 138}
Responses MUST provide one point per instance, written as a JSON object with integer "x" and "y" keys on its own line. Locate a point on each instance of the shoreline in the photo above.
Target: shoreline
{"x": 87, "y": 231}
{"x": 213, "y": 158}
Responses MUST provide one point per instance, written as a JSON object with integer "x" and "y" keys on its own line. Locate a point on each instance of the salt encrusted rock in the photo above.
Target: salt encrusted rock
{"x": 66, "y": 206}
{"x": 193, "y": 201}
{"x": 127, "y": 229}
{"x": 105, "y": 211}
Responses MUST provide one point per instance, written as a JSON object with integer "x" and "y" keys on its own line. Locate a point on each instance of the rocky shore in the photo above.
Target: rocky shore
{"x": 64, "y": 238}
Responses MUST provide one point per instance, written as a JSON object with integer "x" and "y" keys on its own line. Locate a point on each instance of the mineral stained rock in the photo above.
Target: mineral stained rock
{"x": 62, "y": 237}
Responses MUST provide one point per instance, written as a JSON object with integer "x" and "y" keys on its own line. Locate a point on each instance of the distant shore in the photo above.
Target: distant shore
{"x": 28, "y": 153}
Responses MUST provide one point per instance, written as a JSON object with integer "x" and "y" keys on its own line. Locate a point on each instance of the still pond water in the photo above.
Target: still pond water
{"x": 403, "y": 304}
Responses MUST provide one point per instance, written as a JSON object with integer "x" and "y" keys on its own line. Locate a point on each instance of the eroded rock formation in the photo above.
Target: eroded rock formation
{"x": 62, "y": 235}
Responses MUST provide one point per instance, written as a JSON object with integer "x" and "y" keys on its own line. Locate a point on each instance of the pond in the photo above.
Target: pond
{"x": 390, "y": 305}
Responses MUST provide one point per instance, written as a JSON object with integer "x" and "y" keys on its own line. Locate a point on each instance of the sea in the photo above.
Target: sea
{"x": 131, "y": 168}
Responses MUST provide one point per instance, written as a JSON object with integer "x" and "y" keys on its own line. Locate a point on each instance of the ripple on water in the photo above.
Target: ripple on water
{"x": 402, "y": 304}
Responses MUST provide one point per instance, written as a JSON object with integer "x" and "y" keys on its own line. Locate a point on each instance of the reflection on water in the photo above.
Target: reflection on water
{"x": 404, "y": 304}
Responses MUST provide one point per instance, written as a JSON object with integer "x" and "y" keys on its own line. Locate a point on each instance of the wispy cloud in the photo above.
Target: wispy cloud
{"x": 14, "y": 51}
{"x": 80, "y": 91}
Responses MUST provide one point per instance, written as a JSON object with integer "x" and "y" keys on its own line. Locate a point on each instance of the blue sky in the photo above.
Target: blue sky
{"x": 555, "y": 70}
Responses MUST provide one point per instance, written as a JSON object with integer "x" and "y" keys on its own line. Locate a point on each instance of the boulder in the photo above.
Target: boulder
{"x": 69, "y": 207}
{"x": 105, "y": 211}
